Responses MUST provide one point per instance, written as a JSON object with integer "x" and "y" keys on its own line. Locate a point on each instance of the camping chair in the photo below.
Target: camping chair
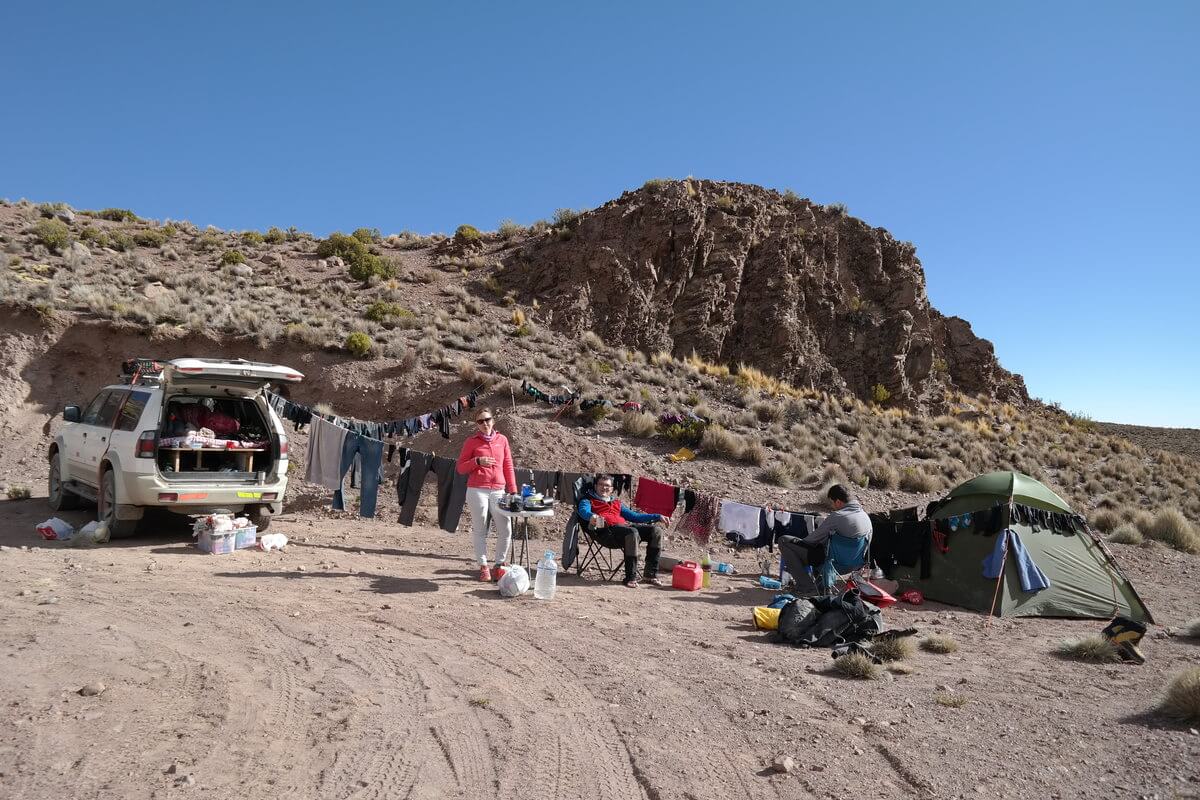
{"x": 597, "y": 553}
{"x": 843, "y": 556}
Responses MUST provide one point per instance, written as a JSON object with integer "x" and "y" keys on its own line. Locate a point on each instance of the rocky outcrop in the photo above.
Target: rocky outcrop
{"x": 739, "y": 273}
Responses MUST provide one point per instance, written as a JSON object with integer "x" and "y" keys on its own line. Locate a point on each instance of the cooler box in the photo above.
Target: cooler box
{"x": 244, "y": 538}
{"x": 687, "y": 576}
{"x": 217, "y": 544}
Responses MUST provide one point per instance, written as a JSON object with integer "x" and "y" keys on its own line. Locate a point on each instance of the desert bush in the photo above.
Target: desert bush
{"x": 367, "y": 235}
{"x": 565, "y": 216}
{"x": 779, "y": 474}
{"x": 358, "y": 344}
{"x": 1126, "y": 534}
{"x": 640, "y": 424}
{"x": 690, "y": 432}
{"x": 725, "y": 202}
{"x": 856, "y": 665}
{"x": 362, "y": 263}
{"x": 274, "y": 236}
{"x": 880, "y": 393}
{"x": 17, "y": 492}
{"x": 767, "y": 412}
{"x": 150, "y": 237}
{"x": 508, "y": 229}
{"x": 882, "y": 474}
{"x": 753, "y": 452}
{"x": 252, "y": 238}
{"x": 896, "y": 648}
{"x": 94, "y": 236}
{"x": 380, "y": 311}
{"x": 232, "y": 257}
{"x": 595, "y": 414}
{"x": 918, "y": 481}
{"x": 838, "y": 208}
{"x": 1106, "y": 520}
{"x": 208, "y": 242}
{"x": 1095, "y": 649}
{"x": 939, "y": 644}
{"x": 850, "y": 427}
{"x": 1182, "y": 698}
{"x": 467, "y": 234}
{"x": 656, "y": 183}
{"x": 113, "y": 214}
{"x": 53, "y": 234}
{"x": 1171, "y": 528}
{"x": 719, "y": 440}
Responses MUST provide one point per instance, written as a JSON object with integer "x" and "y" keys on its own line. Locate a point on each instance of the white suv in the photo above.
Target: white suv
{"x": 190, "y": 435}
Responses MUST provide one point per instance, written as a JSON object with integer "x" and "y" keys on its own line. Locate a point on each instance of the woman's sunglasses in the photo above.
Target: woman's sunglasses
{"x": 481, "y": 421}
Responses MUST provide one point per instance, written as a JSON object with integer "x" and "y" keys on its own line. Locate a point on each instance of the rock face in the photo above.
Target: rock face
{"x": 738, "y": 273}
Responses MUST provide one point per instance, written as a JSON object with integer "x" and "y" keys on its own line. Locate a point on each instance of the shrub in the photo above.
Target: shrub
{"x": 1106, "y": 520}
{"x": 656, "y": 183}
{"x": 120, "y": 241}
{"x": 565, "y": 216}
{"x": 778, "y": 474}
{"x": 232, "y": 257}
{"x": 94, "y": 236}
{"x": 724, "y": 202}
{"x": 151, "y": 237}
{"x": 1172, "y": 528}
{"x": 880, "y": 393}
{"x": 856, "y": 665}
{"x": 380, "y": 311}
{"x": 753, "y": 453}
{"x": 641, "y": 425}
{"x": 689, "y": 432}
{"x": 467, "y": 234}
{"x": 918, "y": 481}
{"x": 114, "y": 214}
{"x": 523, "y": 330}
{"x": 595, "y": 414}
{"x": 53, "y": 234}
{"x": 939, "y": 644}
{"x": 363, "y": 264}
{"x": 1126, "y": 534}
{"x": 882, "y": 474}
{"x": 838, "y": 208}
{"x": 1182, "y": 699}
{"x": 719, "y": 440}
{"x": 508, "y": 229}
{"x": 16, "y": 492}
{"x": 275, "y": 236}
{"x": 359, "y": 344}
{"x": 367, "y": 235}
{"x": 896, "y": 648}
{"x": 252, "y": 238}
{"x": 1091, "y": 648}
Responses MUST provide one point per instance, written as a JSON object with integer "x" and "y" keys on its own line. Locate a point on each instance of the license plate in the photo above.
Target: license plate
{"x": 250, "y": 495}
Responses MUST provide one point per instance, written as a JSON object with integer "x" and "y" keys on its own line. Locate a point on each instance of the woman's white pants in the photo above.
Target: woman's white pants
{"x": 482, "y": 503}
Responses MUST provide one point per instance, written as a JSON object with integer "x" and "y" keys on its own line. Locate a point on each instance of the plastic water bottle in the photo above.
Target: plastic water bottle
{"x": 544, "y": 584}
{"x": 725, "y": 569}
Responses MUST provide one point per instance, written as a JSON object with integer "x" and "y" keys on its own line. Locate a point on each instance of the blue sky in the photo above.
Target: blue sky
{"x": 1042, "y": 156}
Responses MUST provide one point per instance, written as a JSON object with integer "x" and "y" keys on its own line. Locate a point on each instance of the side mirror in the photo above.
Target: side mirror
{"x": 72, "y": 414}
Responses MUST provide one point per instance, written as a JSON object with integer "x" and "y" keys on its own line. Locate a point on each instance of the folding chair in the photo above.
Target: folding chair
{"x": 597, "y": 553}
{"x": 844, "y": 556}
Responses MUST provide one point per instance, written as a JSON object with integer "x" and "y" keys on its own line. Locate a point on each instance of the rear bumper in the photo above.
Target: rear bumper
{"x": 195, "y": 496}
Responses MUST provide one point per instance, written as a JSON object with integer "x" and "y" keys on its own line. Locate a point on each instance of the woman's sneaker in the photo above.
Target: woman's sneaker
{"x": 485, "y": 574}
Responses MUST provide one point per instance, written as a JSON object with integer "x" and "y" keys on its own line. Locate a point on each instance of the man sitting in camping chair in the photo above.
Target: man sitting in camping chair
{"x": 839, "y": 544}
{"x": 614, "y": 526}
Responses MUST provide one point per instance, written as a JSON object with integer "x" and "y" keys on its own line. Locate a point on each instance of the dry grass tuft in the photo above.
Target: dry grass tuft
{"x": 950, "y": 699}
{"x": 779, "y": 474}
{"x": 1192, "y": 628}
{"x": 640, "y": 425}
{"x": 1182, "y": 699}
{"x": 918, "y": 481}
{"x": 1171, "y": 528}
{"x": 1095, "y": 649}
{"x": 882, "y": 475}
{"x": 1126, "y": 534}
{"x": 893, "y": 649}
{"x": 856, "y": 665}
{"x": 939, "y": 644}
{"x": 900, "y": 668}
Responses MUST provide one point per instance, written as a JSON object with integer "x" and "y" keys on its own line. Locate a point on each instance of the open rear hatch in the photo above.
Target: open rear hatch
{"x": 228, "y": 376}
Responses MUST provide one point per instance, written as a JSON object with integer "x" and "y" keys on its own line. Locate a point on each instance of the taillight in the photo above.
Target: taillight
{"x": 269, "y": 496}
{"x": 282, "y": 446}
{"x": 168, "y": 497}
{"x": 147, "y": 443}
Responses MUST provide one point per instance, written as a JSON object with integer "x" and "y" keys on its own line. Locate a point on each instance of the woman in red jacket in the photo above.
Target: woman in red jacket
{"x": 487, "y": 459}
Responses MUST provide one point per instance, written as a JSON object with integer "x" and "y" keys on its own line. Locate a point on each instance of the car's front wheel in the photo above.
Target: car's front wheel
{"x": 117, "y": 528}
{"x": 61, "y": 498}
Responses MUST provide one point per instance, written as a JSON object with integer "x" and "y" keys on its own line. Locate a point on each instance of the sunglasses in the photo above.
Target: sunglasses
{"x": 483, "y": 420}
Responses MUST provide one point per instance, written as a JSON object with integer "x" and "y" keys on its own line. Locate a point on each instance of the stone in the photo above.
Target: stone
{"x": 65, "y": 214}
{"x": 24, "y": 593}
{"x": 49, "y": 601}
{"x": 784, "y": 764}
{"x": 242, "y": 270}
{"x": 92, "y": 689}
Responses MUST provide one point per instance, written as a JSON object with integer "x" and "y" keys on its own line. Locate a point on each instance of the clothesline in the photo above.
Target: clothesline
{"x": 300, "y": 415}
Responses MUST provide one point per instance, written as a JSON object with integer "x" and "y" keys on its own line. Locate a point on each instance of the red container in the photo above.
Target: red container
{"x": 688, "y": 576}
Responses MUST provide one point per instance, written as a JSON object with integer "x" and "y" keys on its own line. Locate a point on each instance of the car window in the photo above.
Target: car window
{"x": 108, "y": 411}
{"x": 93, "y": 410}
{"x": 132, "y": 412}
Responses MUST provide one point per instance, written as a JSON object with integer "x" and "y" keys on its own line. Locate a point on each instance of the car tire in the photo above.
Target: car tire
{"x": 259, "y": 518}
{"x": 117, "y": 528}
{"x": 61, "y": 498}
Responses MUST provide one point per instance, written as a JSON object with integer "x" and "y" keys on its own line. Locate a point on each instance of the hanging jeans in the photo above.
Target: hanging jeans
{"x": 451, "y": 491}
{"x": 409, "y": 483}
{"x": 370, "y": 455}
{"x": 482, "y": 503}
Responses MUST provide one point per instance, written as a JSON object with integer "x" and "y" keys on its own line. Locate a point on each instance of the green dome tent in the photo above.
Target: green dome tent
{"x": 1084, "y": 580}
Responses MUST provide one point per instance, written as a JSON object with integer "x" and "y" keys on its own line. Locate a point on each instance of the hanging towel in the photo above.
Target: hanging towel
{"x": 655, "y": 497}
{"x": 740, "y": 518}
{"x": 325, "y": 443}
{"x": 1032, "y": 577}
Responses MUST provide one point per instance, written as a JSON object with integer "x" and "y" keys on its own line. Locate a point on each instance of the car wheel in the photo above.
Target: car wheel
{"x": 259, "y": 518}
{"x": 61, "y": 498}
{"x": 117, "y": 528}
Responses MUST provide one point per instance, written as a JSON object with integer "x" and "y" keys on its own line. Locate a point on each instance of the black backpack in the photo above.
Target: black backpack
{"x": 828, "y": 621}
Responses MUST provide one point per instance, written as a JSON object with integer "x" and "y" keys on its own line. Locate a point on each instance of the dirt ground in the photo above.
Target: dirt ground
{"x": 365, "y": 662}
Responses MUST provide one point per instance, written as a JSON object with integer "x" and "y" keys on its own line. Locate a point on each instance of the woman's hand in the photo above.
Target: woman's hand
{"x": 485, "y": 461}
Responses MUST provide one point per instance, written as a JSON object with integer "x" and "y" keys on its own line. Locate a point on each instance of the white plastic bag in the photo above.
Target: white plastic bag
{"x": 515, "y": 582}
{"x": 55, "y": 528}
{"x": 90, "y": 534}
{"x": 272, "y": 541}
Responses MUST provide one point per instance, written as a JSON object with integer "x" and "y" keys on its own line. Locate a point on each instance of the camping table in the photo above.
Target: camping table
{"x": 246, "y": 454}
{"x": 524, "y": 516}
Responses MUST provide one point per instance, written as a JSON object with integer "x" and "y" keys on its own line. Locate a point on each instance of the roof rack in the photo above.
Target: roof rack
{"x": 146, "y": 371}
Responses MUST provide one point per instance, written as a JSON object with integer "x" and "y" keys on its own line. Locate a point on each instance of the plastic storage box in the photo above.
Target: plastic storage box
{"x": 245, "y": 538}
{"x": 217, "y": 544}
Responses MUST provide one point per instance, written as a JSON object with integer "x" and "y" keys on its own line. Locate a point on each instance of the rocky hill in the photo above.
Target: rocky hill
{"x": 739, "y": 273}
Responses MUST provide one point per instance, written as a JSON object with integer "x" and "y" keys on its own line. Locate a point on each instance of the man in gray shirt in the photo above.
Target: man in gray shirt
{"x": 848, "y": 519}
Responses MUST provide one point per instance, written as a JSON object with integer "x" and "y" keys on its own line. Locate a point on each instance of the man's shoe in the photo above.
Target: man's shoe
{"x": 485, "y": 574}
